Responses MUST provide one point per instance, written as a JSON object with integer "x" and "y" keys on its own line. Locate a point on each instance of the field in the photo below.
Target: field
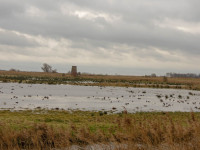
{"x": 42, "y": 129}
{"x": 100, "y": 80}
{"x": 59, "y": 128}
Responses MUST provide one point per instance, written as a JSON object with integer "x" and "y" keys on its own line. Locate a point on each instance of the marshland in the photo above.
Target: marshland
{"x": 58, "y": 111}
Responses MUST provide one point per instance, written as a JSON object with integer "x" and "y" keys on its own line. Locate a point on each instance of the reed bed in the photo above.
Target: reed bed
{"x": 45, "y": 129}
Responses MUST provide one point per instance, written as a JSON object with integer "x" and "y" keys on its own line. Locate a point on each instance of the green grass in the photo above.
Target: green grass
{"x": 57, "y": 129}
{"x": 25, "y": 118}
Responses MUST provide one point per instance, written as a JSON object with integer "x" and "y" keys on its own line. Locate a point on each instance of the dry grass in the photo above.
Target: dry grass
{"x": 60, "y": 129}
{"x": 33, "y": 74}
{"x": 100, "y": 80}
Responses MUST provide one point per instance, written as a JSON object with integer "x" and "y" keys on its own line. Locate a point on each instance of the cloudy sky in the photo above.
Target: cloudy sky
{"x": 133, "y": 37}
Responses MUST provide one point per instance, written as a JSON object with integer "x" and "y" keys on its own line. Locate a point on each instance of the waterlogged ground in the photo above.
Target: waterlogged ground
{"x": 16, "y": 96}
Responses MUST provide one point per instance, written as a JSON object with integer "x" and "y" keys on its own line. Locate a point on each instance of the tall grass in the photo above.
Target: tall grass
{"x": 30, "y": 130}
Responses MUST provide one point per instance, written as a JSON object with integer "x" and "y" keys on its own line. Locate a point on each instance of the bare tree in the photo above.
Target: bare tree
{"x": 16, "y": 70}
{"x": 47, "y": 68}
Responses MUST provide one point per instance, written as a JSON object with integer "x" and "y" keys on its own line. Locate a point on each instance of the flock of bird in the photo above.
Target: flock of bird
{"x": 127, "y": 100}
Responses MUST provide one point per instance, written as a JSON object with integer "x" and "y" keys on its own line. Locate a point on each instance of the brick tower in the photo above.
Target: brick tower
{"x": 74, "y": 71}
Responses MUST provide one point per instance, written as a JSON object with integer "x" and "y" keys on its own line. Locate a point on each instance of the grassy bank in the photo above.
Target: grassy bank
{"x": 43, "y": 129}
{"x": 100, "y": 80}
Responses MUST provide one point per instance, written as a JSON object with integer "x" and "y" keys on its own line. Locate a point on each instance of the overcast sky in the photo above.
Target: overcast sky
{"x": 134, "y": 37}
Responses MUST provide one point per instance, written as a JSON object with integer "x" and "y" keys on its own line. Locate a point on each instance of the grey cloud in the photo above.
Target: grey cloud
{"x": 12, "y": 39}
{"x": 10, "y": 8}
{"x": 135, "y": 26}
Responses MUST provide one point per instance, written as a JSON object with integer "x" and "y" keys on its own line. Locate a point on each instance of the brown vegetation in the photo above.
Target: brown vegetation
{"x": 60, "y": 129}
{"x": 100, "y": 80}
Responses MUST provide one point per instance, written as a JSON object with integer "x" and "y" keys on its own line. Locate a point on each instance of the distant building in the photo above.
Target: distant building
{"x": 74, "y": 71}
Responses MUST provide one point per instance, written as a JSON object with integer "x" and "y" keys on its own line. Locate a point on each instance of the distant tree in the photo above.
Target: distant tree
{"x": 16, "y": 70}
{"x": 153, "y": 75}
{"x": 47, "y": 68}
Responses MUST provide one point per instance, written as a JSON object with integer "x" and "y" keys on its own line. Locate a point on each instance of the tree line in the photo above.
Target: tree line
{"x": 186, "y": 75}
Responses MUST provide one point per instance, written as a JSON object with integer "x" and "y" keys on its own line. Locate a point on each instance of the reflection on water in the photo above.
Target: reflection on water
{"x": 26, "y": 96}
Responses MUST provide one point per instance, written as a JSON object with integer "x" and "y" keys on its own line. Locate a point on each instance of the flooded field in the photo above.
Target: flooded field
{"x": 16, "y": 96}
